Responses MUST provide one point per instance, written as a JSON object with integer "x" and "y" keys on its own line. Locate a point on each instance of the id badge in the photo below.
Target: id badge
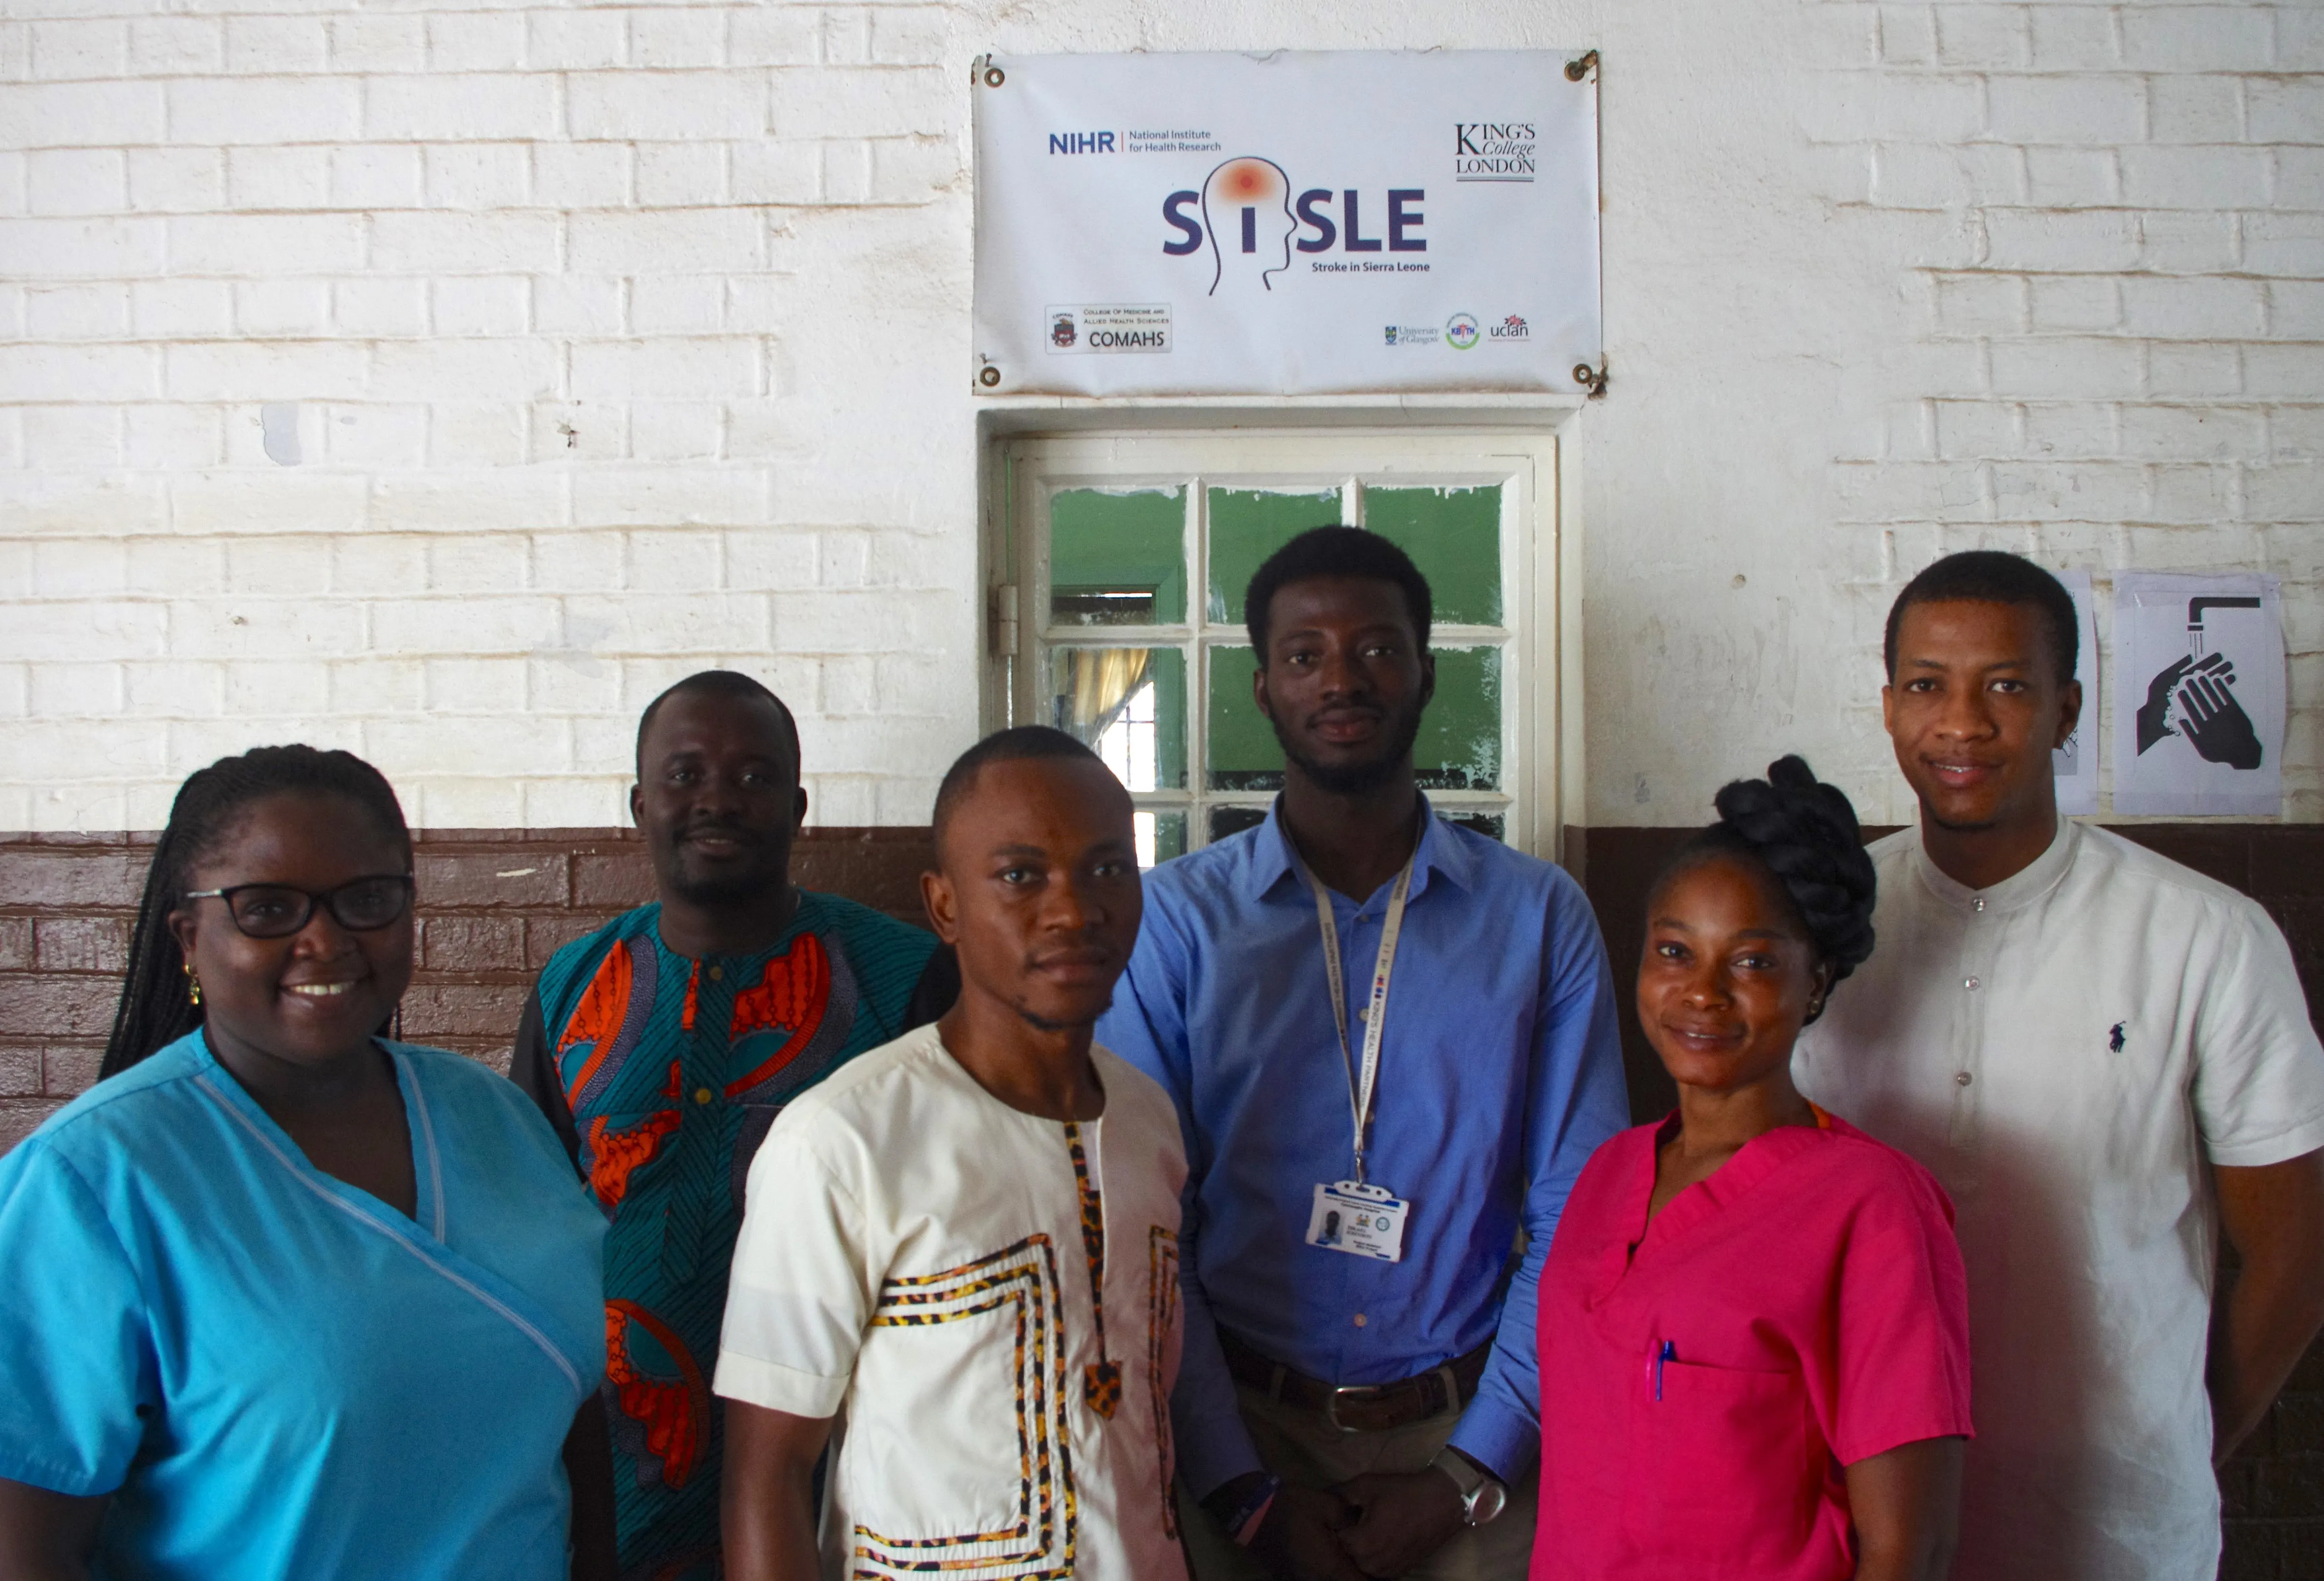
{"x": 1364, "y": 1221}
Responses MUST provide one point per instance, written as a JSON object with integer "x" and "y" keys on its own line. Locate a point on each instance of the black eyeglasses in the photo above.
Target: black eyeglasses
{"x": 278, "y": 911}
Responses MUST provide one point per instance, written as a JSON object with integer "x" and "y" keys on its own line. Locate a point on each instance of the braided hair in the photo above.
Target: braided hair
{"x": 1804, "y": 834}
{"x": 155, "y": 1010}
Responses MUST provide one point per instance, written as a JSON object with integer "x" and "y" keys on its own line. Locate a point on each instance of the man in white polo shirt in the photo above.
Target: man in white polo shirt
{"x": 2106, "y": 1059}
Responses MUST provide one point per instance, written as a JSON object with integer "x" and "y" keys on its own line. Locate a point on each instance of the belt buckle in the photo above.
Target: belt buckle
{"x": 1369, "y": 1391}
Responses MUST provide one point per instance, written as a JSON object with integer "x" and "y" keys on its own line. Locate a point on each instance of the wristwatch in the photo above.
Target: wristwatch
{"x": 1483, "y": 1496}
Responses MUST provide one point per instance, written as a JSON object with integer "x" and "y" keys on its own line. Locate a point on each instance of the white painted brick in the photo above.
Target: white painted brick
{"x": 914, "y": 36}
{"x": 285, "y": 307}
{"x": 275, "y": 44}
{"x": 489, "y": 109}
{"x": 579, "y": 430}
{"x": 847, "y": 172}
{"x": 577, "y": 304}
{"x": 389, "y": 437}
{"x": 477, "y": 433}
{"x": 265, "y": 243}
{"x": 430, "y": 370}
{"x": 481, "y": 305}
{"x": 676, "y": 430}
{"x": 1908, "y": 35}
{"x": 669, "y": 495}
{"x": 2073, "y": 178}
{"x": 182, "y": 690}
{"x": 272, "y": 500}
{"x": 573, "y": 803}
{"x": 1983, "y": 35}
{"x": 259, "y": 110}
{"x": 65, "y": 568}
{"x": 375, "y": 42}
{"x": 660, "y": 104}
{"x": 2285, "y": 244}
{"x": 479, "y": 563}
{"x": 679, "y": 304}
{"x": 76, "y": 180}
{"x": 2188, "y": 243}
{"x": 77, "y": 313}
{"x": 176, "y": 45}
{"x": 475, "y": 41}
{"x": 2193, "y": 369}
{"x": 2207, "y": 495}
{"x": 846, "y": 38}
{"x": 915, "y": 169}
{"x": 2075, "y": 302}
{"x": 278, "y": 566}
{"x": 78, "y": 115}
{"x": 2193, "y": 309}
{"x": 581, "y": 175}
{"x": 774, "y": 36}
{"x": 666, "y": 560}
{"x": 2075, "y": 38}
{"x": 2296, "y": 433}
{"x": 279, "y": 178}
{"x": 169, "y": 437}
{"x": 454, "y": 745}
{"x": 79, "y": 372}
{"x": 172, "y": 180}
{"x": 424, "y": 241}
{"x": 837, "y": 800}
{"x": 572, "y": 684}
{"x": 12, "y": 184}
{"x": 2300, "y": 177}
{"x": 691, "y": 622}
{"x": 40, "y": 630}
{"x": 677, "y": 36}
{"x": 2198, "y": 38}
{"x": 577, "y": 561}
{"x": 2193, "y": 433}
{"x": 576, "y": 41}
{"x": 67, "y": 690}
{"x": 850, "y": 686}
{"x": 2300, "y": 39}
{"x": 773, "y": 171}
{"x": 681, "y": 175}
{"x": 183, "y": 567}
{"x": 479, "y": 175}
{"x": 844, "y": 622}
{"x": 79, "y": 50}
{"x": 1974, "y": 304}
{"x": 874, "y": 102}
{"x": 2195, "y": 109}
{"x": 68, "y": 249}
{"x": 486, "y": 625}
{"x": 376, "y": 176}
{"x": 1972, "y": 430}
{"x": 2196, "y": 178}
{"x": 2295, "y": 309}
{"x": 1854, "y": 106}
{"x": 2066, "y": 109}
{"x": 2291, "y": 492}
{"x": 669, "y": 240}
{"x": 71, "y": 439}
{"x": 495, "y": 506}
{"x": 277, "y": 687}
{"x": 2084, "y": 368}
{"x": 2043, "y": 239}
{"x": 694, "y": 366}
{"x": 381, "y": 306}
{"x": 476, "y": 686}
{"x": 371, "y": 565}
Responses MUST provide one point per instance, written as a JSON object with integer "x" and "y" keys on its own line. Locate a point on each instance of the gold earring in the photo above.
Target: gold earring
{"x": 193, "y": 985}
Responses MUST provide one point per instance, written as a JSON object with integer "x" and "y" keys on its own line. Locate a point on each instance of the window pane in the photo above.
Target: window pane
{"x": 1242, "y": 750}
{"x": 1233, "y": 820}
{"x": 1454, "y": 536}
{"x": 1247, "y": 525}
{"x": 1118, "y": 559}
{"x": 1493, "y": 826}
{"x": 1459, "y": 744}
{"x": 1130, "y": 705}
{"x": 1161, "y": 836}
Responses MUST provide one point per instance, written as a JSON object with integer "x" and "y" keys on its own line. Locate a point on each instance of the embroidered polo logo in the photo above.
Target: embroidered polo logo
{"x": 2114, "y": 1038}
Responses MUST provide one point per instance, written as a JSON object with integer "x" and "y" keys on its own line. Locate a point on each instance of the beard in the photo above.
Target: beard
{"x": 724, "y": 884}
{"x": 1354, "y": 779}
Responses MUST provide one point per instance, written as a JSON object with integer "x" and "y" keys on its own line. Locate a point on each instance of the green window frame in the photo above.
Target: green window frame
{"x": 1116, "y": 609}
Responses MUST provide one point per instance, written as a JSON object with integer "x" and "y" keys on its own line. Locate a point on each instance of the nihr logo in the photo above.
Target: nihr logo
{"x": 1081, "y": 143}
{"x": 1494, "y": 151}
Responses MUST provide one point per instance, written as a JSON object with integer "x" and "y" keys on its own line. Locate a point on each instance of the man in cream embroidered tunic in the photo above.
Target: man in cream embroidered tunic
{"x": 959, "y": 1256}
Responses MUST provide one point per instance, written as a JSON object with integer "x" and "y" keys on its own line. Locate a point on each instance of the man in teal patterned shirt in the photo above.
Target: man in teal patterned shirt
{"x": 662, "y": 1046}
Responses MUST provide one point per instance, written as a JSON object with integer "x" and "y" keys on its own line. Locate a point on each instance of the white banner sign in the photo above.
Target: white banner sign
{"x": 1286, "y": 224}
{"x": 2076, "y": 763}
{"x": 2199, "y": 695}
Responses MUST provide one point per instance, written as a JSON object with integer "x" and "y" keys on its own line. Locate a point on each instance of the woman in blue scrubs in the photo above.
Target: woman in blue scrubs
{"x": 283, "y": 1299}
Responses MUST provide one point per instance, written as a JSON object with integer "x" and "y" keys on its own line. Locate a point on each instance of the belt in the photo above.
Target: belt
{"x": 1359, "y": 1408}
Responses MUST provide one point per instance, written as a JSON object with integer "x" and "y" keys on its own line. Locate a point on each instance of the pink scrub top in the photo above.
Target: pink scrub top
{"x": 1705, "y": 1377}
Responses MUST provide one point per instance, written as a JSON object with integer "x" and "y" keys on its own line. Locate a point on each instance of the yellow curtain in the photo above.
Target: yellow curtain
{"x": 1101, "y": 681}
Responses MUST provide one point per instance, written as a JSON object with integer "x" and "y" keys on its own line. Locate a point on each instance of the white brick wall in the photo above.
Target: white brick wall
{"x": 625, "y": 340}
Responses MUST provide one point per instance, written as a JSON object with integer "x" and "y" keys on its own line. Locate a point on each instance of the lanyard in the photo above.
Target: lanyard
{"x": 1359, "y": 1087}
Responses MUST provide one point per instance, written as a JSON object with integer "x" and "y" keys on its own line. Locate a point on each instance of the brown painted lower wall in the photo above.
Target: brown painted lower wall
{"x": 495, "y": 903}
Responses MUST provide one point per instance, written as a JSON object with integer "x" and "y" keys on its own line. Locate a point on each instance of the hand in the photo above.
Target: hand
{"x": 2157, "y": 709}
{"x": 2214, "y": 724}
{"x": 1299, "y": 1539}
{"x": 1404, "y": 1519}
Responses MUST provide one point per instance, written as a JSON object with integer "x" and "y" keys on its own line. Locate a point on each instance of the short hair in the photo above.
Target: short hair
{"x": 1989, "y": 576}
{"x": 719, "y": 683}
{"x": 1804, "y": 833}
{"x": 1334, "y": 551}
{"x": 1018, "y": 744}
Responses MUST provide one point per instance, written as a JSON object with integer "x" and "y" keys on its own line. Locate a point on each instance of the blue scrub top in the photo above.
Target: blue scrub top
{"x": 274, "y": 1374}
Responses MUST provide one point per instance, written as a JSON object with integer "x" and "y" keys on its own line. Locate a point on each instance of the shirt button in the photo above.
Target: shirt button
{"x": 1962, "y": 1078}
{"x": 702, "y": 1095}
{"x": 1363, "y": 1013}
{"x": 1977, "y": 905}
{"x": 1968, "y": 983}
{"x": 1359, "y": 1319}
{"x": 716, "y": 973}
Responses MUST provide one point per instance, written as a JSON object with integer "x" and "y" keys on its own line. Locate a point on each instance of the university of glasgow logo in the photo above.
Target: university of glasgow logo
{"x": 1391, "y": 334}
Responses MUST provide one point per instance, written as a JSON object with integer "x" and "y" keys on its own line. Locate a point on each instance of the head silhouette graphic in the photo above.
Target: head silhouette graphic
{"x": 1247, "y": 215}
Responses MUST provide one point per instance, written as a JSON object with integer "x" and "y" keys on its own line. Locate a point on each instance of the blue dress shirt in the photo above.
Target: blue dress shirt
{"x": 1500, "y": 1074}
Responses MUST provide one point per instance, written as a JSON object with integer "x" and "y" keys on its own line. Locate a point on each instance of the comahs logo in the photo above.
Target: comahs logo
{"x": 1461, "y": 331}
{"x": 1060, "y": 332}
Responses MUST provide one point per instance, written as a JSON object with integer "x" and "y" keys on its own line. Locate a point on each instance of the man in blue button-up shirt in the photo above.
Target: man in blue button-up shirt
{"x": 1498, "y": 1073}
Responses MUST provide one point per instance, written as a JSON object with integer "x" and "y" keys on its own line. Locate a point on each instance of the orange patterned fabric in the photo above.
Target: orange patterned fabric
{"x": 614, "y": 1154}
{"x": 598, "y": 1018}
{"x": 676, "y": 1413}
{"x": 693, "y": 998}
{"x": 790, "y": 996}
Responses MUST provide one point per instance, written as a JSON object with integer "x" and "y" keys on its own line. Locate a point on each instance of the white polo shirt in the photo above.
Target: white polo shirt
{"x": 2066, "y": 1050}
{"x": 989, "y": 1301}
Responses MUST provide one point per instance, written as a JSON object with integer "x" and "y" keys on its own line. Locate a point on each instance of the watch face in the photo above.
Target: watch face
{"x": 1487, "y": 1502}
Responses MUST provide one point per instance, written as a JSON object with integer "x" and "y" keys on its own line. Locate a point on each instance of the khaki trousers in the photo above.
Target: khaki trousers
{"x": 1301, "y": 1446}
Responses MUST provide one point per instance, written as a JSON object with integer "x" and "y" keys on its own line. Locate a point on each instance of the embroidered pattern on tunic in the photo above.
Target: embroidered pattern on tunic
{"x": 1101, "y": 1383}
{"x": 611, "y": 1017}
{"x": 671, "y": 1416}
{"x": 1040, "y": 1545}
{"x": 613, "y": 1154}
{"x": 1161, "y": 1323}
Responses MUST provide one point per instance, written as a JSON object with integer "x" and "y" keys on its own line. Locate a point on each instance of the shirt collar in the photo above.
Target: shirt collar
{"x": 1440, "y": 852}
{"x": 2022, "y": 888}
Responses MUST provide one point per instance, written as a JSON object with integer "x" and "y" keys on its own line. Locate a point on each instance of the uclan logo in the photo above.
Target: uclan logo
{"x": 1509, "y": 329}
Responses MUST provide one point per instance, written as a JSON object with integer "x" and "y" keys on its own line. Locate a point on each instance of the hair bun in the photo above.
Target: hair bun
{"x": 1805, "y": 832}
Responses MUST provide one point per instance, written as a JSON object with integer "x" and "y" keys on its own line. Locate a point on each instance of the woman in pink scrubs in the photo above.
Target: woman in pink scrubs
{"x": 1754, "y": 1329}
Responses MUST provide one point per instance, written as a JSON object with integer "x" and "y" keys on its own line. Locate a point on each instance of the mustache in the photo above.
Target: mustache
{"x": 740, "y": 834}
